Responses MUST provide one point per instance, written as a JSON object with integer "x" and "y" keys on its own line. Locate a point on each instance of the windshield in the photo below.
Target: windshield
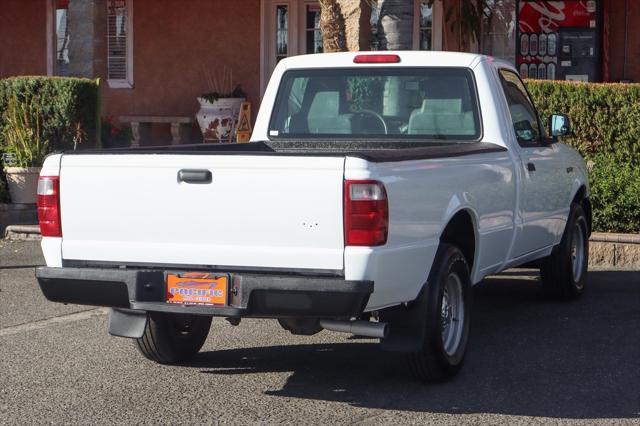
{"x": 380, "y": 103}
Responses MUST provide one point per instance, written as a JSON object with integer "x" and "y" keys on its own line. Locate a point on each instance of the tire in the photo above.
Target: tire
{"x": 444, "y": 345}
{"x": 173, "y": 338}
{"x": 564, "y": 272}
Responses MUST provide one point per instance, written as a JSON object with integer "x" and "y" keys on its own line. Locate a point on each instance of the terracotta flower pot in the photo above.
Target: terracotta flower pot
{"x": 218, "y": 120}
{"x": 23, "y": 184}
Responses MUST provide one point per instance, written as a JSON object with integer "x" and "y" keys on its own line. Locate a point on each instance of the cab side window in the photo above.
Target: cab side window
{"x": 523, "y": 113}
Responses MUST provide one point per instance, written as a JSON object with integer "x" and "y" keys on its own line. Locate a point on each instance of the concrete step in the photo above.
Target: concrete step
{"x": 17, "y": 214}
{"x": 22, "y": 233}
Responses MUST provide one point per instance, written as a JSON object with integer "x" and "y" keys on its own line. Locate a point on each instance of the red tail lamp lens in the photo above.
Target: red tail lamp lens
{"x": 366, "y": 213}
{"x": 49, "y": 206}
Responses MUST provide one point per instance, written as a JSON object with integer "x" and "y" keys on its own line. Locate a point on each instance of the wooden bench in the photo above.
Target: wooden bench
{"x": 179, "y": 124}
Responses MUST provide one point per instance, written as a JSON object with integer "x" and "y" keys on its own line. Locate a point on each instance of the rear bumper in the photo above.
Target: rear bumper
{"x": 250, "y": 295}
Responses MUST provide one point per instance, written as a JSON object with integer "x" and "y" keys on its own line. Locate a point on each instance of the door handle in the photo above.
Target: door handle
{"x": 195, "y": 176}
{"x": 531, "y": 167}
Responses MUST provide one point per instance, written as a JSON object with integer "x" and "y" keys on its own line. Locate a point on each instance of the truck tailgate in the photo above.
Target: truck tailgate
{"x": 257, "y": 211}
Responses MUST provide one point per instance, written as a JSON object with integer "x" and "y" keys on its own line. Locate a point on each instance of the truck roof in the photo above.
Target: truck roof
{"x": 408, "y": 58}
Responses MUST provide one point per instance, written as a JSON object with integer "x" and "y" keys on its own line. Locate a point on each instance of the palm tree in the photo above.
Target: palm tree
{"x": 332, "y": 26}
{"x": 395, "y": 25}
{"x": 345, "y": 25}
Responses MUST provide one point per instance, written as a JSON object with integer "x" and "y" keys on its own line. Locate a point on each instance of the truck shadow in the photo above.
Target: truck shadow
{"x": 528, "y": 356}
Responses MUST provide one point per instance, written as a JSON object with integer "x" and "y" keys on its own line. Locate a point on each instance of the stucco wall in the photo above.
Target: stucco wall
{"x": 174, "y": 42}
{"x": 23, "y": 37}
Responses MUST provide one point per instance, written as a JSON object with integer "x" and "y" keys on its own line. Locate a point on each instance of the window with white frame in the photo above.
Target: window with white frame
{"x": 282, "y": 32}
{"x": 61, "y": 43}
{"x": 289, "y": 27}
{"x": 313, "y": 33}
{"x": 120, "y": 43}
{"x": 67, "y": 52}
{"x": 425, "y": 25}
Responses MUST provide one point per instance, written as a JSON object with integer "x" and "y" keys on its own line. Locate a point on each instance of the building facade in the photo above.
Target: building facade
{"x": 155, "y": 57}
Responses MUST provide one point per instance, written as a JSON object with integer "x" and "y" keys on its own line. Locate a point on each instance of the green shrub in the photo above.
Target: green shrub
{"x": 604, "y": 117}
{"x": 113, "y": 135}
{"x": 22, "y": 133}
{"x": 606, "y": 121}
{"x": 69, "y": 107}
{"x": 615, "y": 192}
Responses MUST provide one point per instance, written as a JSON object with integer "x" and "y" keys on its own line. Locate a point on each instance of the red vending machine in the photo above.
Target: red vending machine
{"x": 559, "y": 40}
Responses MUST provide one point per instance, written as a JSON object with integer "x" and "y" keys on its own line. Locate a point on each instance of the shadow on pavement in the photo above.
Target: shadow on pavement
{"x": 527, "y": 356}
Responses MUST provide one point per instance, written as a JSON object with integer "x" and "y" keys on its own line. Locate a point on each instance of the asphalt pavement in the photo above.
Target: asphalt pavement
{"x": 529, "y": 361}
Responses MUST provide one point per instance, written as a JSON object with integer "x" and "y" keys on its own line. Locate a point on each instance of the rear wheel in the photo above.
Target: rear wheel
{"x": 448, "y": 309}
{"x": 564, "y": 272}
{"x": 172, "y": 338}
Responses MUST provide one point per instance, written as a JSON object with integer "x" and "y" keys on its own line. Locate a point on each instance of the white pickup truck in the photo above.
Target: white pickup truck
{"x": 378, "y": 188}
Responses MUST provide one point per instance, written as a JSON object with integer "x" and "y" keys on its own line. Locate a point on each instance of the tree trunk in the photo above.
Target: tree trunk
{"x": 357, "y": 19}
{"x": 395, "y": 27}
{"x": 332, "y": 26}
{"x": 345, "y": 25}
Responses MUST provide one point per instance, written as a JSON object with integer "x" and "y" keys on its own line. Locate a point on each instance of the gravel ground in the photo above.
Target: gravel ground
{"x": 530, "y": 361}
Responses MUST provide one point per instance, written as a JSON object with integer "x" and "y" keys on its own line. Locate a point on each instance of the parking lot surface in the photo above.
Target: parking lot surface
{"x": 529, "y": 361}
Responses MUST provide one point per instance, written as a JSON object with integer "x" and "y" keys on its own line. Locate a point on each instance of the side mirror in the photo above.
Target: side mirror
{"x": 559, "y": 125}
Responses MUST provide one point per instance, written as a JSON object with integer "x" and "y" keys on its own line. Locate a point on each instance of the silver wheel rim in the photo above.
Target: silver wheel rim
{"x": 577, "y": 252}
{"x": 452, "y": 314}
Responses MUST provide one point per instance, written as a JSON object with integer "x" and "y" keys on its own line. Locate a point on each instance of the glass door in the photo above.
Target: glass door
{"x": 312, "y": 34}
{"x": 289, "y": 28}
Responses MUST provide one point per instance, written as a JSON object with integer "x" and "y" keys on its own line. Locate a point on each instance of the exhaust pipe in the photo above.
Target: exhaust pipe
{"x": 379, "y": 330}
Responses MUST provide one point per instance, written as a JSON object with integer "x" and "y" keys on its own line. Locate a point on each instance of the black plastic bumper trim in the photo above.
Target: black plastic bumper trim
{"x": 250, "y": 295}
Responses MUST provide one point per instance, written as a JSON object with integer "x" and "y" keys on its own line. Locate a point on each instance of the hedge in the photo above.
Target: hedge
{"x": 69, "y": 107}
{"x": 605, "y": 117}
{"x": 606, "y": 121}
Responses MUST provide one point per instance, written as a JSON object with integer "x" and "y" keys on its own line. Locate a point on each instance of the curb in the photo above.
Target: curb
{"x": 22, "y": 233}
{"x": 620, "y": 251}
{"x": 17, "y": 214}
{"x": 602, "y": 237}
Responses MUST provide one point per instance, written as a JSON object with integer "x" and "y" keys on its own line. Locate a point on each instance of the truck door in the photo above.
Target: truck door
{"x": 541, "y": 208}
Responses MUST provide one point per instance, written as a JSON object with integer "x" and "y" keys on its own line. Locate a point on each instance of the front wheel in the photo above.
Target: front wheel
{"x": 172, "y": 338}
{"x": 448, "y": 315}
{"x": 564, "y": 272}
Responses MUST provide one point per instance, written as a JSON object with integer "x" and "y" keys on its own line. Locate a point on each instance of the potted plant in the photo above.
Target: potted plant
{"x": 114, "y": 135}
{"x": 24, "y": 147}
{"x": 220, "y": 107}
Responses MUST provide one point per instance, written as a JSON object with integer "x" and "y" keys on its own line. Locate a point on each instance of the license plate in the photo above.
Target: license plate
{"x": 196, "y": 288}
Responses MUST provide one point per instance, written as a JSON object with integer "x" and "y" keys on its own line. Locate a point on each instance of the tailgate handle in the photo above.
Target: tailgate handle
{"x": 195, "y": 176}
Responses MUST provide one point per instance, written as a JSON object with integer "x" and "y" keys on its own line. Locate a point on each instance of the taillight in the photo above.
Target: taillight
{"x": 377, "y": 59}
{"x": 49, "y": 206}
{"x": 366, "y": 213}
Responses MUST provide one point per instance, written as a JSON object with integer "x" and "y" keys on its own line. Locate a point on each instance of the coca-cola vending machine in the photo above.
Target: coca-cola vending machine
{"x": 559, "y": 40}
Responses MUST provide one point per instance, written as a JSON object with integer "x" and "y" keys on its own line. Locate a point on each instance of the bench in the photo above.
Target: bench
{"x": 179, "y": 124}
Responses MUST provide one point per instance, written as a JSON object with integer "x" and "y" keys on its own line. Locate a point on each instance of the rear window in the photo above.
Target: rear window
{"x": 380, "y": 103}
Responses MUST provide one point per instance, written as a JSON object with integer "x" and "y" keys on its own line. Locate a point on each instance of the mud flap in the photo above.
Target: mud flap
{"x": 407, "y": 325}
{"x": 127, "y": 323}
